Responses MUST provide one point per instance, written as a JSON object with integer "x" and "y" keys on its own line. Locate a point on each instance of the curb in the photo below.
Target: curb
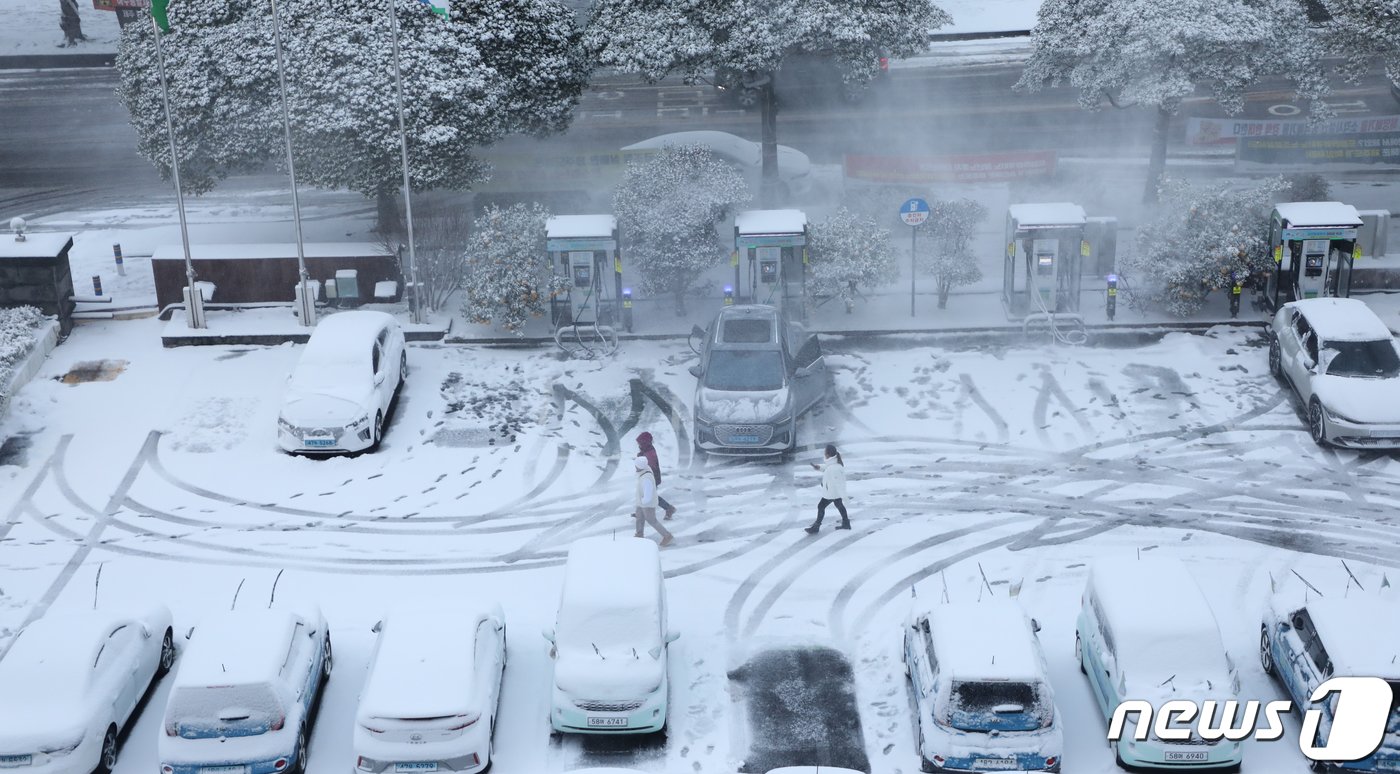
{"x": 56, "y": 61}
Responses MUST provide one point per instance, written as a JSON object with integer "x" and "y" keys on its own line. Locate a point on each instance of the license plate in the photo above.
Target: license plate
{"x": 1187, "y": 756}
{"x": 416, "y": 766}
{"x": 607, "y": 722}
{"x": 10, "y": 761}
{"x": 743, "y": 439}
{"x": 222, "y": 769}
{"x": 994, "y": 764}
{"x": 320, "y": 442}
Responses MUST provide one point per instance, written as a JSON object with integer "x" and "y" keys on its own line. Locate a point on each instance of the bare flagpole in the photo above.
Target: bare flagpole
{"x": 194, "y": 313}
{"x": 415, "y": 299}
{"x": 308, "y": 302}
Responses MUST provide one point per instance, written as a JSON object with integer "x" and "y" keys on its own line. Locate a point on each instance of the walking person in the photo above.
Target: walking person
{"x": 645, "y": 447}
{"x": 646, "y": 502}
{"x": 833, "y": 489}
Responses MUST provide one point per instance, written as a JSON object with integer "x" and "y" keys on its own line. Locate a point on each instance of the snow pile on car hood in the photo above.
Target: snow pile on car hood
{"x": 731, "y": 406}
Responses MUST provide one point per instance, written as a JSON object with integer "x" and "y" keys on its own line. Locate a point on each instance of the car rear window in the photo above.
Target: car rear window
{"x": 997, "y": 705}
{"x": 224, "y": 710}
{"x": 1363, "y": 358}
{"x": 747, "y": 331}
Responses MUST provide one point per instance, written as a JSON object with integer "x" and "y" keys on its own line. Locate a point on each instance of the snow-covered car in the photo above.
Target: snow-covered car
{"x": 429, "y": 703}
{"x": 343, "y": 385}
{"x": 1145, "y": 632}
{"x": 758, "y": 373}
{"x": 1305, "y": 640}
{"x": 610, "y": 640}
{"x": 982, "y": 695}
{"x": 71, "y": 682}
{"x": 1343, "y": 363}
{"x": 794, "y": 168}
{"x": 246, "y": 693}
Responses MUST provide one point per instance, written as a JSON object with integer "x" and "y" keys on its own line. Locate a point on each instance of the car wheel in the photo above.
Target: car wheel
{"x": 328, "y": 661}
{"x": 1118, "y": 759}
{"x": 1275, "y": 358}
{"x": 300, "y": 767}
{"x": 378, "y": 430}
{"x": 490, "y": 749}
{"x": 1266, "y": 657}
{"x": 403, "y": 367}
{"x": 1317, "y": 424}
{"x": 107, "y": 760}
{"x": 167, "y": 654}
{"x": 1319, "y": 767}
{"x": 1079, "y": 654}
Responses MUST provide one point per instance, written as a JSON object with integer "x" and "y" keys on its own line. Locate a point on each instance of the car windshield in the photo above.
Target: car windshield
{"x": 1364, "y": 358}
{"x": 1000, "y": 705}
{"x": 751, "y": 370}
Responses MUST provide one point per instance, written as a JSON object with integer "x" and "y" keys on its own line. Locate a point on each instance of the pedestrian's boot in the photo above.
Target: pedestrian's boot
{"x": 668, "y": 540}
{"x": 670, "y": 511}
{"x": 845, "y": 524}
{"x": 812, "y": 530}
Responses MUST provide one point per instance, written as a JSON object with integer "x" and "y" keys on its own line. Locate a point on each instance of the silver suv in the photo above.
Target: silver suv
{"x": 758, "y": 373}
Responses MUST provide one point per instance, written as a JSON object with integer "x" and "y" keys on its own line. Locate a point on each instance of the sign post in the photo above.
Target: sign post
{"x": 913, "y": 213}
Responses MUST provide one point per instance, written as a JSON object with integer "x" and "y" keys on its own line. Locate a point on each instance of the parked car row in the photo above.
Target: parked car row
{"x": 1145, "y": 632}
{"x": 250, "y": 682}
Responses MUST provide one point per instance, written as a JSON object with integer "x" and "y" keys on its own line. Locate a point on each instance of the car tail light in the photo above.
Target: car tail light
{"x": 279, "y": 722}
{"x": 170, "y": 730}
{"x": 465, "y": 721}
{"x": 1051, "y": 761}
{"x": 360, "y": 763}
{"x": 279, "y": 764}
{"x": 166, "y": 769}
{"x": 939, "y": 760}
{"x": 476, "y": 761}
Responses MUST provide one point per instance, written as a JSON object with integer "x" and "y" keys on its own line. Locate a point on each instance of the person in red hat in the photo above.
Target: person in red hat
{"x": 646, "y": 449}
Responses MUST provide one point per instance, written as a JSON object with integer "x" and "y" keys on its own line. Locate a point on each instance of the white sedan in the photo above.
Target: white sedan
{"x": 1343, "y": 363}
{"x": 794, "y": 168}
{"x": 434, "y": 685}
{"x": 70, "y": 682}
{"x": 341, "y": 389}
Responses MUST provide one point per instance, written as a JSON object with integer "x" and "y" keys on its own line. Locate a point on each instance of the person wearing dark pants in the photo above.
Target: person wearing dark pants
{"x": 833, "y": 489}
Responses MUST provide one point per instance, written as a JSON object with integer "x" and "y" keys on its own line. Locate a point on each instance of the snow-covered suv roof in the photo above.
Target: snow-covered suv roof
{"x": 988, "y": 640}
{"x": 748, "y": 326}
{"x": 1342, "y": 319}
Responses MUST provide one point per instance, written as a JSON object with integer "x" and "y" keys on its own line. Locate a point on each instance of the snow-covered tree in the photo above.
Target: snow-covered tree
{"x": 847, "y": 251}
{"x": 1154, "y": 53}
{"x": 949, "y": 229}
{"x": 496, "y": 67}
{"x": 1204, "y": 235}
{"x": 698, "y": 38}
{"x": 1364, "y": 31}
{"x": 668, "y": 207}
{"x": 507, "y": 275}
{"x": 440, "y": 234}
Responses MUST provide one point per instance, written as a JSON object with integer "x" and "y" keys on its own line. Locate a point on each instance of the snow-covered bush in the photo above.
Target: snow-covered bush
{"x": 440, "y": 234}
{"x": 948, "y": 256}
{"x": 668, "y": 208}
{"x": 492, "y": 69}
{"x": 847, "y": 251}
{"x": 507, "y": 274}
{"x": 19, "y": 330}
{"x": 1306, "y": 187}
{"x": 1203, "y": 235}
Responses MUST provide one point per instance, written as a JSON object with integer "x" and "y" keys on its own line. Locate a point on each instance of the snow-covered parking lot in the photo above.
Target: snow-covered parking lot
{"x": 974, "y": 472}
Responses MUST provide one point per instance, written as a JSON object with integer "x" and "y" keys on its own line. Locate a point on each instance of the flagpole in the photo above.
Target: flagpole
{"x": 194, "y": 313}
{"x": 308, "y": 302}
{"x": 415, "y": 300}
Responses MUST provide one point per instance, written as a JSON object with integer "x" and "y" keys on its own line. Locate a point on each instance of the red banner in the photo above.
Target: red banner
{"x": 112, "y": 5}
{"x": 980, "y": 168}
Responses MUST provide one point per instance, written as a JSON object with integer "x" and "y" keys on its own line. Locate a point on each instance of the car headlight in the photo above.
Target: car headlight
{"x": 359, "y": 423}
{"x": 63, "y": 748}
{"x": 285, "y": 425}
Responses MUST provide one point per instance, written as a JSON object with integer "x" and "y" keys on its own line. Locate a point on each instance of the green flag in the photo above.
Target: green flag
{"x": 158, "y": 11}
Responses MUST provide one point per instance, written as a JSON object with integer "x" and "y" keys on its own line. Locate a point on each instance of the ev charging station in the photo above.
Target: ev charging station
{"x": 583, "y": 248}
{"x": 1045, "y": 245}
{"x": 1314, "y": 245}
{"x": 770, "y": 258}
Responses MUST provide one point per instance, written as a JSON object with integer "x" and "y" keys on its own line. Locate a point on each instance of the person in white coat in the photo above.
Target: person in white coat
{"x": 833, "y": 489}
{"x": 646, "y": 501}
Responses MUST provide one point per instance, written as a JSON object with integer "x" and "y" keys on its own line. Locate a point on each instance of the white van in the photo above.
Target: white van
{"x": 610, "y": 640}
{"x": 1145, "y": 632}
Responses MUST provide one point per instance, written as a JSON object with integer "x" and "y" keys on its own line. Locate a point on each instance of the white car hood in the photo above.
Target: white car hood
{"x": 305, "y": 409}
{"x": 582, "y": 674}
{"x": 25, "y": 726}
{"x": 741, "y": 406}
{"x": 1360, "y": 399}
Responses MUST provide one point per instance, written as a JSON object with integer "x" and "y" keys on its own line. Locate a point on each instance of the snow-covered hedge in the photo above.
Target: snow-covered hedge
{"x": 19, "y": 331}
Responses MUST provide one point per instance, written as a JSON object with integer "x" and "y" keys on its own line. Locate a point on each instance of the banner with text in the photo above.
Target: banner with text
{"x": 980, "y": 168}
{"x": 1223, "y": 131}
{"x": 1305, "y": 151}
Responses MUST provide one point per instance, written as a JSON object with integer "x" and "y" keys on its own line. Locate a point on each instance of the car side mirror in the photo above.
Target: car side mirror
{"x": 1035, "y": 626}
{"x": 548, "y": 635}
{"x": 379, "y": 378}
{"x": 655, "y": 653}
{"x": 697, "y": 331}
{"x": 696, "y": 371}
{"x": 672, "y": 636}
{"x": 378, "y": 627}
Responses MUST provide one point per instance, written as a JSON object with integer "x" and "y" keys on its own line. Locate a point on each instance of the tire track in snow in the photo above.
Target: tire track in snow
{"x": 971, "y": 392}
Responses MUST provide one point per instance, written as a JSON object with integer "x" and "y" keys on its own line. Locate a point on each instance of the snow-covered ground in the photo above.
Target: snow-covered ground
{"x": 1022, "y": 464}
